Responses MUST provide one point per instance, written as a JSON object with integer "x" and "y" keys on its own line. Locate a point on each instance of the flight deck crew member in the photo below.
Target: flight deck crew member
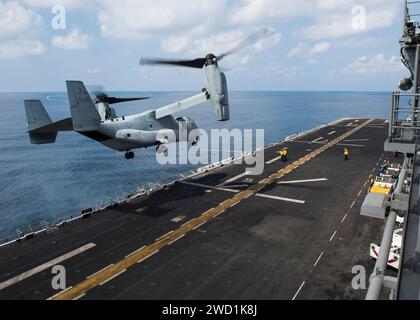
{"x": 281, "y": 154}
{"x": 346, "y": 154}
{"x": 284, "y": 154}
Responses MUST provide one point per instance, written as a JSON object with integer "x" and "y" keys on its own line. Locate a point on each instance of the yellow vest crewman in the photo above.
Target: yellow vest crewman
{"x": 346, "y": 154}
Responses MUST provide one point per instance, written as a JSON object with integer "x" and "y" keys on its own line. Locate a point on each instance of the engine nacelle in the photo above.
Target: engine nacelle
{"x": 217, "y": 88}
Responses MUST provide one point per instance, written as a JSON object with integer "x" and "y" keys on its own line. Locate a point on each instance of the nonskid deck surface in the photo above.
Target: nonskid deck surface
{"x": 223, "y": 234}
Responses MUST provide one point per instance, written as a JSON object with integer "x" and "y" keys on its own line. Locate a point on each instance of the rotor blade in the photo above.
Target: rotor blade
{"x": 196, "y": 63}
{"x": 249, "y": 41}
{"x": 113, "y": 100}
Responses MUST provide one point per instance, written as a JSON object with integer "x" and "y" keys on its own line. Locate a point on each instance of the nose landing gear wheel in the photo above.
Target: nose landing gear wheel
{"x": 129, "y": 155}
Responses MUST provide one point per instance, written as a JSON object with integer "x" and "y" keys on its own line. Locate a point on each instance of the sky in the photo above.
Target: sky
{"x": 327, "y": 45}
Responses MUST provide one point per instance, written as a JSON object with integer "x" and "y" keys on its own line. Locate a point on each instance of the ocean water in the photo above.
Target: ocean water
{"x": 48, "y": 182}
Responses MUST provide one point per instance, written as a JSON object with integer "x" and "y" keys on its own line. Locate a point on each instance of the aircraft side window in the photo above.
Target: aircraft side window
{"x": 150, "y": 125}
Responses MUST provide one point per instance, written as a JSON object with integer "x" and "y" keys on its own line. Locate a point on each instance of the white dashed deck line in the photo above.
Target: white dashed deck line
{"x": 302, "y": 181}
{"x": 319, "y": 258}
{"x": 317, "y": 140}
{"x": 280, "y": 198}
{"x": 45, "y": 266}
{"x": 297, "y": 292}
{"x": 333, "y": 236}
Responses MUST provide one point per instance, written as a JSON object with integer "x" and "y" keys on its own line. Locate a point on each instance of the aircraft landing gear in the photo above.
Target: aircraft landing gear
{"x": 162, "y": 149}
{"x": 129, "y": 155}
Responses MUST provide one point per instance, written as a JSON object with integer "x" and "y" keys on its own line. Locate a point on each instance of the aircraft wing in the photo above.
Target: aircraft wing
{"x": 182, "y": 105}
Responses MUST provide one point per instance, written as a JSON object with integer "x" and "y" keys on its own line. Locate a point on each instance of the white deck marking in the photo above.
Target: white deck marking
{"x": 300, "y": 288}
{"x": 317, "y": 140}
{"x": 344, "y": 218}
{"x": 175, "y": 240}
{"x": 302, "y": 181}
{"x": 236, "y": 178}
{"x": 165, "y": 235}
{"x": 94, "y": 274}
{"x": 351, "y": 145}
{"x": 113, "y": 277}
{"x": 332, "y": 237}
{"x": 386, "y": 121}
{"x": 280, "y": 198}
{"x": 332, "y": 132}
{"x": 234, "y": 204}
{"x": 188, "y": 222}
{"x": 239, "y": 186}
{"x": 273, "y": 160}
{"x": 219, "y": 213}
{"x": 209, "y": 187}
{"x": 129, "y": 255}
{"x": 61, "y": 292}
{"x": 360, "y": 192}
{"x": 355, "y": 140}
{"x": 45, "y": 266}
{"x": 350, "y": 124}
{"x": 201, "y": 224}
{"x": 352, "y": 205}
{"x": 147, "y": 257}
{"x": 319, "y": 258}
{"x": 80, "y": 297}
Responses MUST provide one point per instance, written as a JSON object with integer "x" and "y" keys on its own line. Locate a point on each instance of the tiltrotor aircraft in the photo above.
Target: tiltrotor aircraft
{"x": 95, "y": 119}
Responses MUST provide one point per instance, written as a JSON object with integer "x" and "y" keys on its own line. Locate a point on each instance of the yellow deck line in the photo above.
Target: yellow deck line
{"x": 114, "y": 270}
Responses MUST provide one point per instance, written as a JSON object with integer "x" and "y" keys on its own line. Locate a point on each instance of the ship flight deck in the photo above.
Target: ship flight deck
{"x": 293, "y": 232}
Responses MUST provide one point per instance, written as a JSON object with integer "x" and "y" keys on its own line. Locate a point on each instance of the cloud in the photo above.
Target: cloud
{"x": 300, "y": 48}
{"x": 320, "y": 48}
{"x": 15, "y": 19}
{"x": 378, "y": 64}
{"x": 285, "y": 73}
{"x": 357, "y": 42}
{"x": 253, "y": 11}
{"x": 93, "y": 70}
{"x": 351, "y": 20}
{"x": 303, "y": 49}
{"x": 65, "y": 3}
{"x": 126, "y": 19}
{"x": 175, "y": 44}
{"x": 220, "y": 43}
{"x": 14, "y": 49}
{"x": 75, "y": 40}
{"x": 325, "y": 19}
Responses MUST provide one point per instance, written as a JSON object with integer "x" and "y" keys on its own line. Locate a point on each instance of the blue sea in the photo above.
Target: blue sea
{"x": 49, "y": 182}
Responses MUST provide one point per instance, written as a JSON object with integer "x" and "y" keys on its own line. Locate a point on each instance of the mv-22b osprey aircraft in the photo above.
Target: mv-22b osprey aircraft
{"x": 95, "y": 119}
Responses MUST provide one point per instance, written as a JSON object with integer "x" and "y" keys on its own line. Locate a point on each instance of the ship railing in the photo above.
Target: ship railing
{"x": 51, "y": 226}
{"x": 404, "y": 123}
{"x": 411, "y": 10}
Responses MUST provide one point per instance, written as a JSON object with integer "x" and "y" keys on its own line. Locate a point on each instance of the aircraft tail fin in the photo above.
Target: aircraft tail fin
{"x": 83, "y": 111}
{"x": 38, "y": 118}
